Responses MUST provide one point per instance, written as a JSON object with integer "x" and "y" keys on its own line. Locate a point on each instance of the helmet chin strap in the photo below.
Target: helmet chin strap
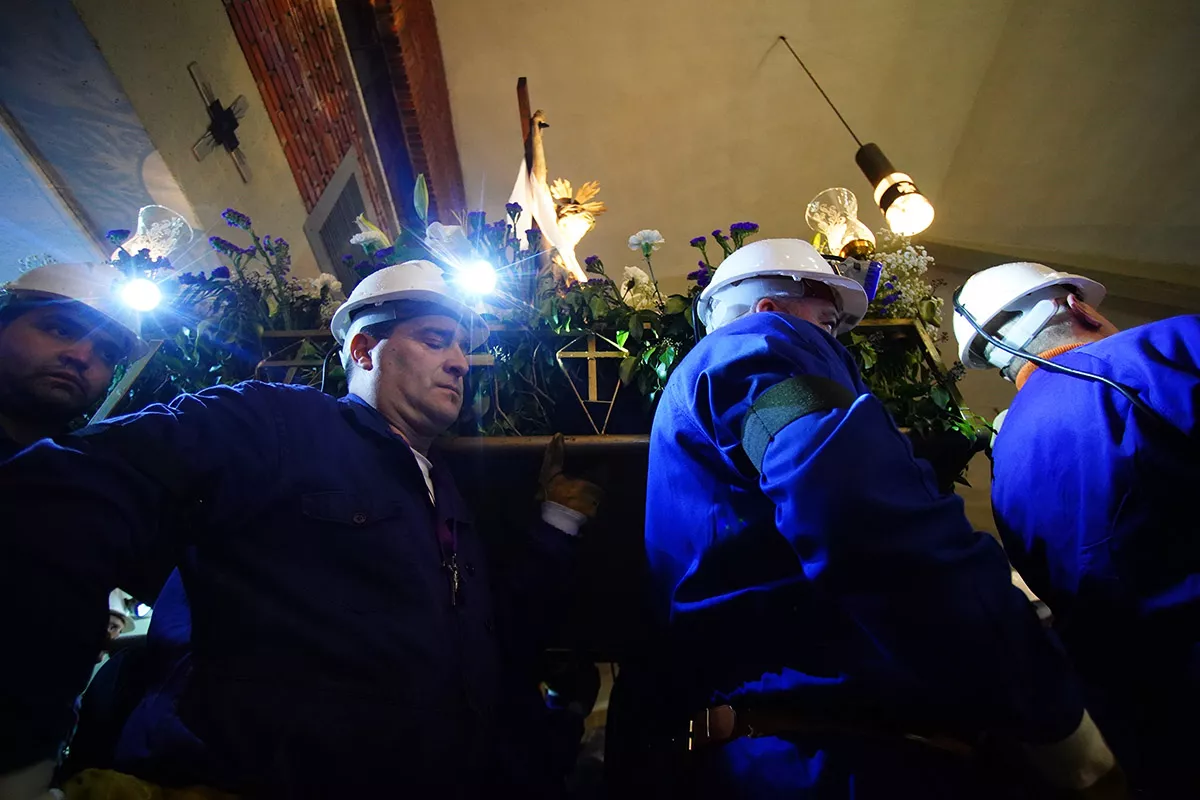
{"x": 1023, "y": 331}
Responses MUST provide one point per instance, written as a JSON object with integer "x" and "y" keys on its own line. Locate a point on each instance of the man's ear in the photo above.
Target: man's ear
{"x": 767, "y": 304}
{"x": 360, "y": 347}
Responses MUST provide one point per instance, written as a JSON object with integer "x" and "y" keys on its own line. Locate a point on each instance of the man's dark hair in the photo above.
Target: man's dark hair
{"x": 12, "y": 306}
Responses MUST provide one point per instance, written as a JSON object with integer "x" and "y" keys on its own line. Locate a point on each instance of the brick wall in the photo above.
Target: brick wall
{"x": 408, "y": 30}
{"x": 294, "y": 55}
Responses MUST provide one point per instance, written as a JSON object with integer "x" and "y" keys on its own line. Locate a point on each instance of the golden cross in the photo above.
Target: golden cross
{"x": 591, "y": 354}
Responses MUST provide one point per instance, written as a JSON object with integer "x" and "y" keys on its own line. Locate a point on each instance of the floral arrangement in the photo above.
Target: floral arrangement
{"x": 904, "y": 291}
{"x": 211, "y": 325}
{"x": 260, "y": 284}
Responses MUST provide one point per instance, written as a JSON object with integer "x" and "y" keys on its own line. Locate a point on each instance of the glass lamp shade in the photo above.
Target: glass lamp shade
{"x": 834, "y": 214}
{"x": 160, "y": 230}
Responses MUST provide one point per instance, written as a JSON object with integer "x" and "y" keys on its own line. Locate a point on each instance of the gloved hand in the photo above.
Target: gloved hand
{"x": 574, "y": 493}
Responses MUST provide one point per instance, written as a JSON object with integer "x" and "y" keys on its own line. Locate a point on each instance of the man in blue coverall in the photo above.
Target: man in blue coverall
{"x": 1092, "y": 499}
{"x": 824, "y": 604}
{"x": 375, "y": 649}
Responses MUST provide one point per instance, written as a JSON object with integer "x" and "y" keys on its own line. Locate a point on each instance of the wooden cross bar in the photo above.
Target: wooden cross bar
{"x": 591, "y": 354}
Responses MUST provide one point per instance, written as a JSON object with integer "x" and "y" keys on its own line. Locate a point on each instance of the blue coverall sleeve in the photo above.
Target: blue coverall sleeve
{"x": 868, "y": 525}
{"x": 82, "y": 512}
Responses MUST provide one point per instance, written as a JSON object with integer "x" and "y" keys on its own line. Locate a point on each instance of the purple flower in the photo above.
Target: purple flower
{"x": 187, "y": 278}
{"x": 717, "y": 234}
{"x": 702, "y": 276}
{"x": 236, "y": 219}
{"x": 249, "y": 251}
{"x": 221, "y": 273}
{"x": 116, "y": 237}
{"x": 224, "y": 246}
{"x": 513, "y": 209}
{"x": 597, "y": 280}
{"x": 699, "y": 241}
{"x": 744, "y": 227}
{"x": 384, "y": 254}
{"x": 891, "y": 298}
{"x": 348, "y": 261}
{"x": 591, "y": 261}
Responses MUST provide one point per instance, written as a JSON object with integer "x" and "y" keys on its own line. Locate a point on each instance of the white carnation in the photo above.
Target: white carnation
{"x": 644, "y": 237}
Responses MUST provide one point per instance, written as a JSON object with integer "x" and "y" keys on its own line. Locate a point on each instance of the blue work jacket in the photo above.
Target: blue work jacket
{"x": 836, "y": 581}
{"x": 329, "y": 655}
{"x": 1097, "y": 510}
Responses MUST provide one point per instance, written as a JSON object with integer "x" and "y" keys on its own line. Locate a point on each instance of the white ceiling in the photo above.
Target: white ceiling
{"x": 1066, "y": 131}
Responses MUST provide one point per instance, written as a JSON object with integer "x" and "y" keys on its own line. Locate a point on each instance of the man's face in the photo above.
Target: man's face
{"x": 56, "y": 361}
{"x": 418, "y": 372}
{"x": 115, "y": 626}
{"x": 820, "y": 311}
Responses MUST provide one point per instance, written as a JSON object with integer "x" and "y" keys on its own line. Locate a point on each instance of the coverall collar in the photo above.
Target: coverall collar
{"x": 1029, "y": 368}
{"x": 449, "y": 502}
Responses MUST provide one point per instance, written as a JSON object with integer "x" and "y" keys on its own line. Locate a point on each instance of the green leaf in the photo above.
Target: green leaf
{"x": 628, "y": 365}
{"x": 622, "y": 336}
{"x": 677, "y": 304}
{"x": 421, "y": 198}
{"x": 598, "y": 306}
{"x": 928, "y": 311}
{"x": 940, "y": 396}
{"x": 635, "y": 327}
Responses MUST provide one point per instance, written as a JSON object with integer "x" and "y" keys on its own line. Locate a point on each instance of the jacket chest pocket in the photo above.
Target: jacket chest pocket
{"x": 346, "y": 511}
{"x": 386, "y": 548}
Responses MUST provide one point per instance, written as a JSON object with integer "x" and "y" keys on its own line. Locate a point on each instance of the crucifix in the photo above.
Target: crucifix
{"x": 563, "y": 214}
{"x": 592, "y": 354}
{"x": 222, "y": 124}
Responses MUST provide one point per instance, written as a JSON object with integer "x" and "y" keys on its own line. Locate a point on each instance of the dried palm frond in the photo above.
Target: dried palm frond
{"x": 587, "y": 191}
{"x": 561, "y": 190}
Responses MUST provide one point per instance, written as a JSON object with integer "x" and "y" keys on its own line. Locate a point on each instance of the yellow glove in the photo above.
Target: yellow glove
{"x": 574, "y": 493}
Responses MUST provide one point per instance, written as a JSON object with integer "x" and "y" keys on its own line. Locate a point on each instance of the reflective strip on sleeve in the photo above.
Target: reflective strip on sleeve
{"x": 785, "y": 403}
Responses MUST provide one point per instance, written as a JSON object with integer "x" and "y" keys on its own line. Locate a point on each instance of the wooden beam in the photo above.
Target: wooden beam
{"x": 69, "y": 205}
{"x": 526, "y": 112}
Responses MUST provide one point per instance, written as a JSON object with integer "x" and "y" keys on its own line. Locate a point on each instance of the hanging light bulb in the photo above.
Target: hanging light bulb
{"x": 906, "y": 210}
{"x": 834, "y": 214}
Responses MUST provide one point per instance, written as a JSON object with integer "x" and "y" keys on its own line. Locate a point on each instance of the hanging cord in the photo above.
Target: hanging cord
{"x": 819, "y": 89}
{"x": 325, "y": 364}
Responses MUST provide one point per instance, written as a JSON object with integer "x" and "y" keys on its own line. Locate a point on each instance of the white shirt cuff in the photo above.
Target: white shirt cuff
{"x": 567, "y": 520}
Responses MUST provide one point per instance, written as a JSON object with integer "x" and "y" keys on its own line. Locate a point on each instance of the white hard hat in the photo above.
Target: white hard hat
{"x": 95, "y": 285}
{"x": 737, "y": 283}
{"x": 1023, "y": 287}
{"x": 413, "y": 280}
{"x": 117, "y": 607}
